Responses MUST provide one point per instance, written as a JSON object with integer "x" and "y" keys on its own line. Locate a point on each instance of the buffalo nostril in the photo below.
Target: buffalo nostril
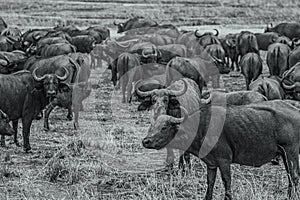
{"x": 147, "y": 142}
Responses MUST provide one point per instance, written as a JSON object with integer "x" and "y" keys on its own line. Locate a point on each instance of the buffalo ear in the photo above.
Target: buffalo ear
{"x": 145, "y": 105}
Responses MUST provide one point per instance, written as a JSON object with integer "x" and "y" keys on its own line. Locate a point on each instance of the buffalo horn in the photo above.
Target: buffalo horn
{"x": 180, "y": 92}
{"x": 196, "y": 34}
{"x": 36, "y": 77}
{"x": 217, "y": 32}
{"x": 176, "y": 120}
{"x": 65, "y": 76}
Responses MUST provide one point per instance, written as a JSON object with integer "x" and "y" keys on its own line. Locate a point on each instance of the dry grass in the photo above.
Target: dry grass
{"x": 105, "y": 158}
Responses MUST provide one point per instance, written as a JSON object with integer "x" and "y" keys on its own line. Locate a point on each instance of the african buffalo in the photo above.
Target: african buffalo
{"x": 290, "y": 30}
{"x": 84, "y": 43}
{"x": 246, "y": 42}
{"x": 290, "y": 81}
{"x": 207, "y": 38}
{"x": 235, "y": 131}
{"x": 294, "y": 57}
{"x": 8, "y": 43}
{"x": 134, "y": 23}
{"x": 265, "y": 39}
{"x": 229, "y": 45}
{"x": 22, "y": 97}
{"x": 71, "y": 94}
{"x": 197, "y": 69}
{"x": 12, "y": 61}
{"x": 168, "y": 102}
{"x": 277, "y": 58}
{"x": 270, "y": 87}
{"x": 57, "y": 49}
{"x": 122, "y": 70}
{"x": 191, "y": 42}
{"x": 251, "y": 65}
{"x": 216, "y": 51}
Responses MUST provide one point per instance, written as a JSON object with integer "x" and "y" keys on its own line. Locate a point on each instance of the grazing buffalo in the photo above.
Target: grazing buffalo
{"x": 73, "y": 93}
{"x": 265, "y": 39}
{"x": 22, "y": 97}
{"x": 207, "y": 38}
{"x": 229, "y": 45}
{"x": 5, "y": 127}
{"x": 290, "y": 81}
{"x": 197, "y": 69}
{"x": 290, "y": 30}
{"x": 246, "y": 42}
{"x": 57, "y": 49}
{"x": 235, "y": 130}
{"x": 277, "y": 58}
{"x": 294, "y": 57}
{"x": 134, "y": 23}
{"x": 251, "y": 65}
{"x": 12, "y": 61}
{"x": 168, "y": 102}
{"x": 269, "y": 87}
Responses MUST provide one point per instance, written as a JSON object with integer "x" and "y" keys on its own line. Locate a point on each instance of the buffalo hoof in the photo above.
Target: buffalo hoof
{"x": 27, "y": 149}
{"x": 76, "y": 126}
{"x": 2, "y": 144}
{"x": 70, "y": 117}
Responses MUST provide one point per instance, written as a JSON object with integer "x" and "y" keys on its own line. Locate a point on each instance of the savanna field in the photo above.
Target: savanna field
{"x": 105, "y": 158}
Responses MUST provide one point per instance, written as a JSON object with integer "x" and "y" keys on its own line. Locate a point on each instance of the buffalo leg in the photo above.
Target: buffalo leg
{"x": 170, "y": 158}
{"x": 2, "y": 141}
{"x": 26, "y": 122}
{"x": 226, "y": 178}
{"x": 48, "y": 110}
{"x": 15, "y": 127}
{"x": 291, "y": 163}
{"x": 76, "y": 116}
{"x": 211, "y": 178}
{"x": 70, "y": 114}
{"x": 184, "y": 160}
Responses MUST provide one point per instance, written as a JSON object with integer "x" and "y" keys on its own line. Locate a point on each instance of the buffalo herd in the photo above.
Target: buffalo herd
{"x": 168, "y": 71}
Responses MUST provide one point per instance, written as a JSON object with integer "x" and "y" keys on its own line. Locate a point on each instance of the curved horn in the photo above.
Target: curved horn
{"x": 143, "y": 54}
{"x": 145, "y": 94}
{"x": 115, "y": 23}
{"x": 288, "y": 87}
{"x": 121, "y": 45}
{"x": 217, "y": 32}
{"x": 38, "y": 79}
{"x": 65, "y": 76}
{"x": 6, "y": 59}
{"x": 196, "y": 34}
{"x": 180, "y": 92}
